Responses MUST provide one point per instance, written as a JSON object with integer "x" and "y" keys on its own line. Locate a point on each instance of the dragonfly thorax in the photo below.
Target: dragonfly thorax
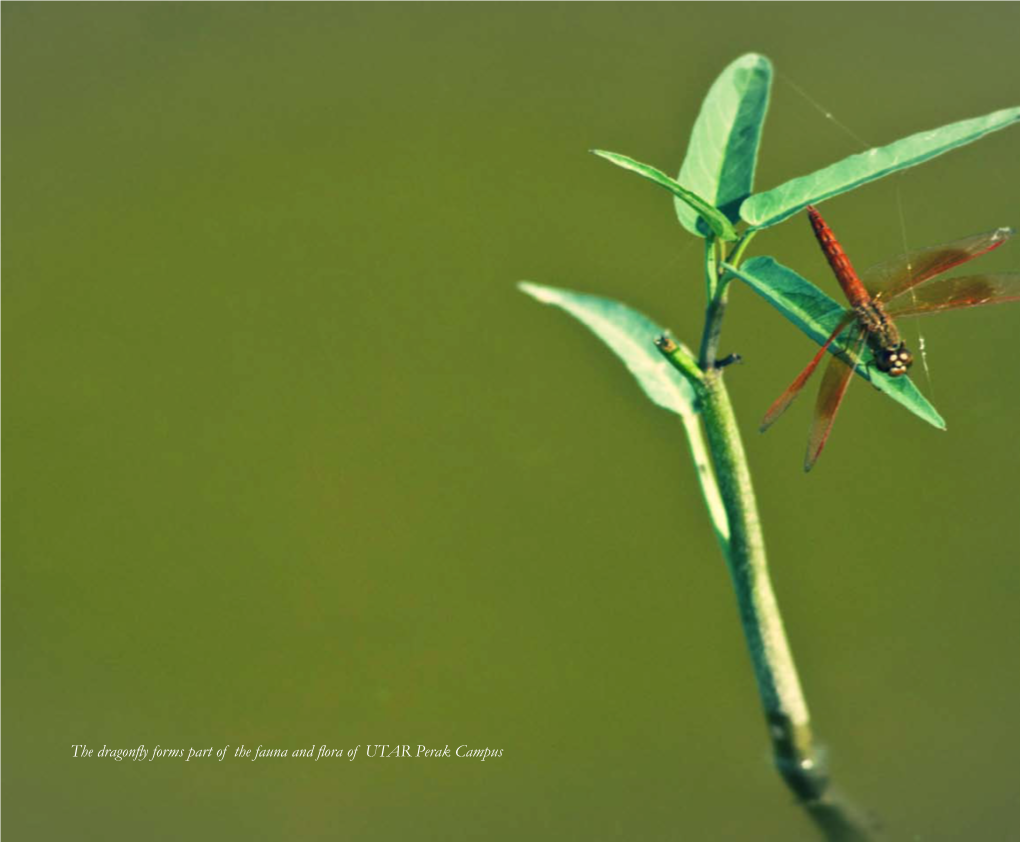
{"x": 891, "y": 355}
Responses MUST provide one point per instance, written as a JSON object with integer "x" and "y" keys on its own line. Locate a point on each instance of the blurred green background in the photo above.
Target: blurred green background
{"x": 289, "y": 461}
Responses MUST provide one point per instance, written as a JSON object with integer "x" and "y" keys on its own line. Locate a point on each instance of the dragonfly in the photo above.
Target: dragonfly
{"x": 905, "y": 286}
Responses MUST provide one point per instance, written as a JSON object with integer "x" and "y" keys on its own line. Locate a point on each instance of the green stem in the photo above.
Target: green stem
{"x": 786, "y": 712}
{"x": 712, "y": 260}
{"x": 718, "y": 286}
{"x": 706, "y": 478}
{"x": 729, "y": 487}
{"x": 782, "y": 698}
{"x": 778, "y": 684}
{"x": 713, "y": 326}
{"x": 738, "y": 250}
{"x": 680, "y": 358}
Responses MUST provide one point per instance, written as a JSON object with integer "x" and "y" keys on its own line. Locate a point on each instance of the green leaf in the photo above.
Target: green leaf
{"x": 723, "y": 150}
{"x": 765, "y": 209}
{"x": 715, "y": 220}
{"x": 817, "y": 315}
{"x": 631, "y": 336}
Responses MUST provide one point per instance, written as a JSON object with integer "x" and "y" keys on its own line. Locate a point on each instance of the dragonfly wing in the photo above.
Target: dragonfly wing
{"x": 830, "y": 396}
{"x": 784, "y": 400}
{"x": 955, "y": 293}
{"x": 892, "y": 278}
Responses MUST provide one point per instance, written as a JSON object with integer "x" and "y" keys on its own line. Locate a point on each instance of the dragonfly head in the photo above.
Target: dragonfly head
{"x": 894, "y": 361}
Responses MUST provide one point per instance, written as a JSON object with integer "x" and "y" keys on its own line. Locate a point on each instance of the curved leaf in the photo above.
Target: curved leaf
{"x": 723, "y": 149}
{"x": 817, "y": 315}
{"x": 631, "y": 336}
{"x": 715, "y": 220}
{"x": 772, "y": 206}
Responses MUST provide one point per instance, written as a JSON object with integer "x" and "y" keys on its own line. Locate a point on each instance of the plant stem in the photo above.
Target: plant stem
{"x": 786, "y": 711}
{"x": 718, "y": 294}
{"x": 781, "y": 695}
{"x": 713, "y": 326}
{"x": 706, "y": 478}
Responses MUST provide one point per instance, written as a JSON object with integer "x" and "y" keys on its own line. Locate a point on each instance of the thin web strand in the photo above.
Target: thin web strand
{"x": 921, "y": 345}
{"x": 825, "y": 112}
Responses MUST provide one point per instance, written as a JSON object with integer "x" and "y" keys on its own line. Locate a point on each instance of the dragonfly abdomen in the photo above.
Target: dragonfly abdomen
{"x": 840, "y": 263}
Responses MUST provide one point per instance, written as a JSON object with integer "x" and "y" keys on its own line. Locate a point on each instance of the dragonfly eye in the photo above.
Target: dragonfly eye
{"x": 894, "y": 361}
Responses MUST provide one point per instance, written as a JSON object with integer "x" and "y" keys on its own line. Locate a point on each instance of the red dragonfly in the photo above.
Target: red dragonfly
{"x": 897, "y": 288}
